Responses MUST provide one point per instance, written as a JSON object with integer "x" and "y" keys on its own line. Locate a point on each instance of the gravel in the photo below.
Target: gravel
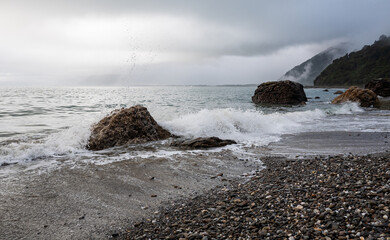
{"x": 340, "y": 197}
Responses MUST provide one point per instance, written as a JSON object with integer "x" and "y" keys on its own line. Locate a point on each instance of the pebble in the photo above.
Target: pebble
{"x": 335, "y": 197}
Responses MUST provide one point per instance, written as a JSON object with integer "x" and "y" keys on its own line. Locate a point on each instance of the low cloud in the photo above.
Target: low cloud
{"x": 198, "y": 42}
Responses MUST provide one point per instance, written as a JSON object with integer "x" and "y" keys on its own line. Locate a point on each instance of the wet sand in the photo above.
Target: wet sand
{"x": 88, "y": 201}
{"x": 331, "y": 143}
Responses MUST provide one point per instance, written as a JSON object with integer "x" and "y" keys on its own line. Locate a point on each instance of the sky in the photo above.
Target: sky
{"x": 125, "y": 42}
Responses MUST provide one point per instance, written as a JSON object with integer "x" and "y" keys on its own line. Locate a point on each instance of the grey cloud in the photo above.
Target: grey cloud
{"x": 217, "y": 29}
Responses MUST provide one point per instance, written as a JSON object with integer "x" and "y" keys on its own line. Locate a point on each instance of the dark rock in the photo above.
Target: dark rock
{"x": 115, "y": 235}
{"x": 317, "y": 97}
{"x": 126, "y": 126}
{"x": 380, "y": 86}
{"x": 280, "y": 92}
{"x": 338, "y": 92}
{"x": 365, "y": 97}
{"x": 202, "y": 143}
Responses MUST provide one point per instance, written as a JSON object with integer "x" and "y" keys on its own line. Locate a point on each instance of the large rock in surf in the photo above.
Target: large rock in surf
{"x": 126, "y": 126}
{"x": 365, "y": 97}
{"x": 202, "y": 143}
{"x": 380, "y": 86}
{"x": 280, "y": 92}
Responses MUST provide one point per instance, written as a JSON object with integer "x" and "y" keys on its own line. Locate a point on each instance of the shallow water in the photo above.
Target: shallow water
{"x": 46, "y": 124}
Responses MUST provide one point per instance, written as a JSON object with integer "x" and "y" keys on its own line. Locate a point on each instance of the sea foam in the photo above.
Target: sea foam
{"x": 244, "y": 126}
{"x": 247, "y": 127}
{"x": 63, "y": 143}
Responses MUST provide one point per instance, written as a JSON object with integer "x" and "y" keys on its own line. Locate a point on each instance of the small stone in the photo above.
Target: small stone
{"x": 114, "y": 235}
{"x": 265, "y": 229}
{"x": 299, "y": 207}
{"x": 335, "y": 226}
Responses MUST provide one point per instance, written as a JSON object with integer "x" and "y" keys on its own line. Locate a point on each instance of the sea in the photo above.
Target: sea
{"x": 52, "y": 125}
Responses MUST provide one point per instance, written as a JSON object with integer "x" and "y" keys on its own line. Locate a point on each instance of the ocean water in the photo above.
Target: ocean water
{"x": 53, "y": 124}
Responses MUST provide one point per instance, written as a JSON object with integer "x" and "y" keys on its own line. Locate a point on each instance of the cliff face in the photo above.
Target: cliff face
{"x": 306, "y": 72}
{"x": 358, "y": 68}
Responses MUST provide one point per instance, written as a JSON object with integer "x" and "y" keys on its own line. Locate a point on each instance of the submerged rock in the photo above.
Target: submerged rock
{"x": 365, "y": 97}
{"x": 280, "y": 92}
{"x": 380, "y": 86}
{"x": 202, "y": 143}
{"x": 126, "y": 126}
{"x": 338, "y": 92}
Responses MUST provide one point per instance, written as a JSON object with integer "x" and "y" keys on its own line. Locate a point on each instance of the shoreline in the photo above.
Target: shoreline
{"x": 88, "y": 201}
{"x": 91, "y": 201}
{"x": 326, "y": 198}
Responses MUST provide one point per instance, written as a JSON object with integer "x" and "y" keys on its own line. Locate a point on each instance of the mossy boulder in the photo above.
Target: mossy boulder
{"x": 126, "y": 126}
{"x": 365, "y": 97}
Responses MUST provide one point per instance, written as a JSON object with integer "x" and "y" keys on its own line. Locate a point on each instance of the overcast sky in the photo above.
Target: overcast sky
{"x": 125, "y": 42}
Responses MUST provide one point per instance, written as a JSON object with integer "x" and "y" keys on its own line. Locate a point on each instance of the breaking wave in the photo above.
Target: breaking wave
{"x": 247, "y": 127}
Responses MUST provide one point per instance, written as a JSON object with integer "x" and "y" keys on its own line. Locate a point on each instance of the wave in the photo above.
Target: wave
{"x": 243, "y": 126}
{"x": 247, "y": 127}
{"x": 67, "y": 142}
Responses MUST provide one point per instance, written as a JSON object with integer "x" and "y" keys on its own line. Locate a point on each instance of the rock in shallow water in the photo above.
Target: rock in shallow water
{"x": 126, "y": 126}
{"x": 380, "y": 86}
{"x": 280, "y": 92}
{"x": 202, "y": 143}
{"x": 365, "y": 97}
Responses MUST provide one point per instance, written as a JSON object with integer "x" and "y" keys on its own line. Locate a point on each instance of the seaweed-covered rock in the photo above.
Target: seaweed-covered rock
{"x": 202, "y": 143}
{"x": 126, "y": 126}
{"x": 380, "y": 86}
{"x": 365, "y": 97}
{"x": 280, "y": 92}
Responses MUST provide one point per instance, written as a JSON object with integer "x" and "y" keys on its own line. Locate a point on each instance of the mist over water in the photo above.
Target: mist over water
{"x": 41, "y": 124}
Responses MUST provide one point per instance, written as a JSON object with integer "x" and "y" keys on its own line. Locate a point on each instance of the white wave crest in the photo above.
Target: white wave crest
{"x": 348, "y": 108}
{"x": 244, "y": 126}
{"x": 66, "y": 142}
{"x": 252, "y": 127}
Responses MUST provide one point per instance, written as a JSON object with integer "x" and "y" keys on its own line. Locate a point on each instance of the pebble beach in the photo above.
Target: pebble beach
{"x": 339, "y": 197}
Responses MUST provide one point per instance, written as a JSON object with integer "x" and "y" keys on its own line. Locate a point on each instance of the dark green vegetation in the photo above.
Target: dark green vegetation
{"x": 358, "y": 68}
{"x": 306, "y": 72}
